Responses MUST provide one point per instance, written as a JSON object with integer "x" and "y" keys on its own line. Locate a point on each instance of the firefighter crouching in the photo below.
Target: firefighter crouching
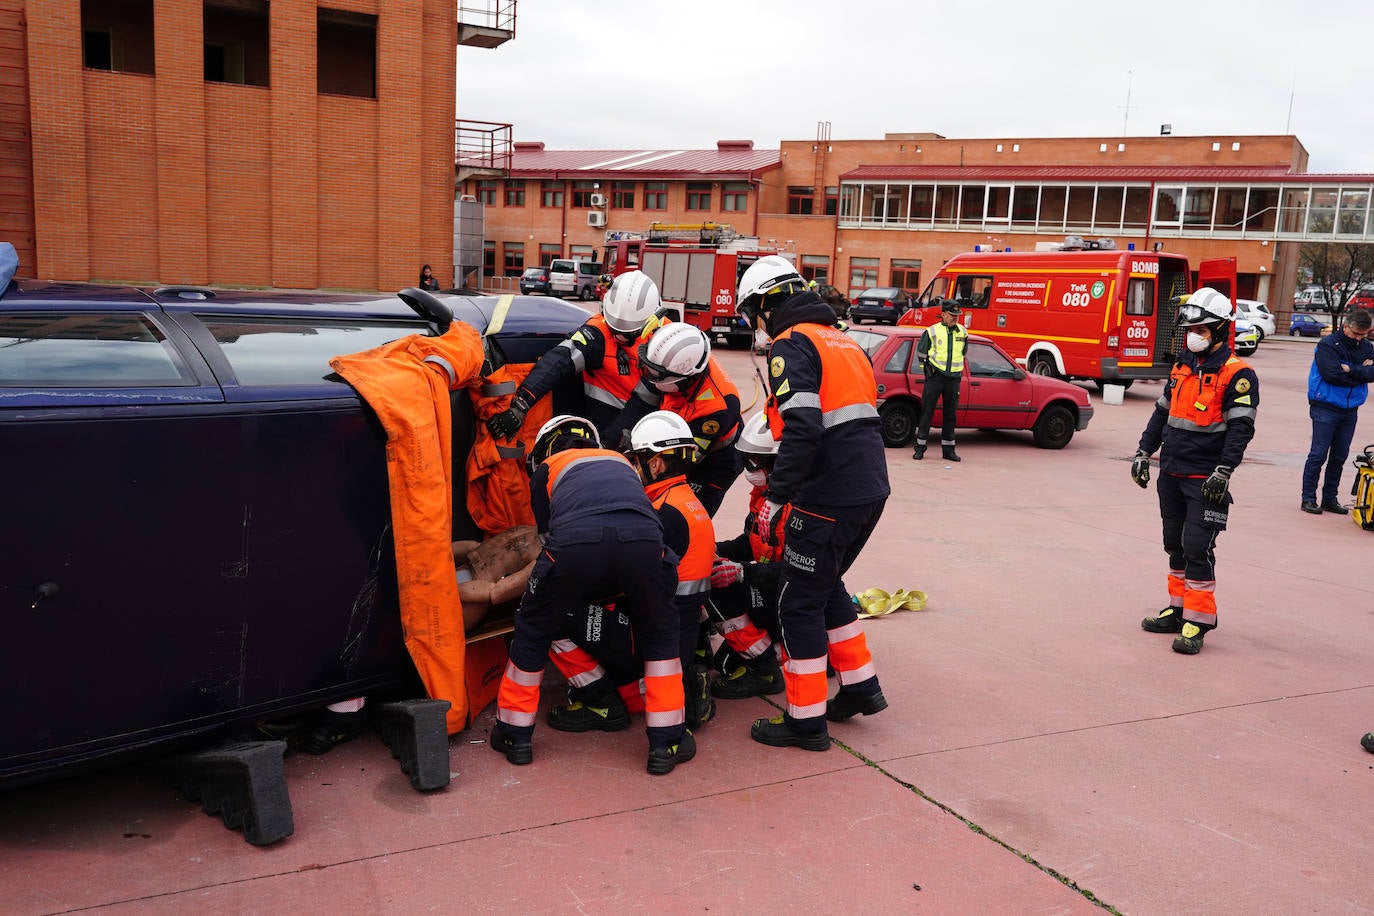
{"x": 603, "y": 351}
{"x": 831, "y": 471}
{"x": 1202, "y": 423}
{"x": 744, "y": 583}
{"x": 600, "y": 659}
{"x": 602, "y": 540}
{"x": 678, "y": 367}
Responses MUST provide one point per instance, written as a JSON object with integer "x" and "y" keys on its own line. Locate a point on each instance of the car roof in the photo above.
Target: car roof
{"x": 880, "y": 291}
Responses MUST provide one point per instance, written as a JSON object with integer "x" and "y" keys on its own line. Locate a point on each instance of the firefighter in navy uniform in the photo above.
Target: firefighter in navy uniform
{"x": 602, "y": 541}
{"x": 1202, "y": 424}
{"x": 661, "y": 450}
{"x": 830, "y": 476}
{"x": 604, "y": 351}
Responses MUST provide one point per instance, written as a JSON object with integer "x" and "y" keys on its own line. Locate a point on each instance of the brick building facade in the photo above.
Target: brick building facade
{"x": 231, "y": 142}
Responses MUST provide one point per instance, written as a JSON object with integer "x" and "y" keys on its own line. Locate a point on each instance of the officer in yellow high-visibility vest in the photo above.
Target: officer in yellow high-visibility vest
{"x": 941, "y": 351}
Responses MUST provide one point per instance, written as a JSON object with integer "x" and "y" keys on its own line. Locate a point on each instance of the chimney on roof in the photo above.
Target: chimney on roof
{"x": 723, "y": 145}
{"x": 528, "y": 146}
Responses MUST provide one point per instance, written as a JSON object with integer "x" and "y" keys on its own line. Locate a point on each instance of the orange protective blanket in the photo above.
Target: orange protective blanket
{"x": 407, "y": 382}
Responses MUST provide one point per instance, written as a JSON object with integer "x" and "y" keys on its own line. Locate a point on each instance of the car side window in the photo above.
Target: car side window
{"x": 900, "y": 357}
{"x": 82, "y": 350}
{"x": 985, "y": 362}
{"x": 285, "y": 351}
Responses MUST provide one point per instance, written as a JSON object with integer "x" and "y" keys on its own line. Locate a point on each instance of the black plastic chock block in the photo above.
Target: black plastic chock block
{"x": 244, "y": 783}
{"x": 417, "y": 733}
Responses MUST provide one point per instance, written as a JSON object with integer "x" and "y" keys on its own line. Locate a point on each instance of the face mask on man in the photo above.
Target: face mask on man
{"x": 756, "y": 478}
{"x": 1198, "y": 341}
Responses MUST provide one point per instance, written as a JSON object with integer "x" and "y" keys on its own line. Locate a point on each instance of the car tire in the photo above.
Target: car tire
{"x": 898, "y": 421}
{"x": 1044, "y": 365}
{"x": 1054, "y": 427}
{"x": 584, "y": 294}
{"x": 1292, "y": 332}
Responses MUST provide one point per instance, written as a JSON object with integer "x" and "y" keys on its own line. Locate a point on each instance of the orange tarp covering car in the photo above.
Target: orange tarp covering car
{"x": 407, "y": 383}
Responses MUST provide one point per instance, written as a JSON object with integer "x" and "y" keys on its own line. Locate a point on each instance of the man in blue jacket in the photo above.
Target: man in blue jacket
{"x": 1337, "y": 384}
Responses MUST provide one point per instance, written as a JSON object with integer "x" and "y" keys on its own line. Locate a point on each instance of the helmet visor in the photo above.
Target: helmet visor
{"x": 1189, "y": 315}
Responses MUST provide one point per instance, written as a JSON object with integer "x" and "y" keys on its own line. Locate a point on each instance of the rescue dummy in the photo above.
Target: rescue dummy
{"x": 494, "y": 572}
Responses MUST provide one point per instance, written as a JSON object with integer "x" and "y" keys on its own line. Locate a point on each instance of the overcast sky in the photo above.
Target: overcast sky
{"x": 682, "y": 74}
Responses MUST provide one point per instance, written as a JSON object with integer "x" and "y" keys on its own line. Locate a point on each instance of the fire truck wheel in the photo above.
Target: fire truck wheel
{"x": 899, "y": 423}
{"x": 1044, "y": 365}
{"x": 1054, "y": 429}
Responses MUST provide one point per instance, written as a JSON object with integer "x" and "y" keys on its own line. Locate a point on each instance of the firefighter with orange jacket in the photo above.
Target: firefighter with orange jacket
{"x": 744, "y": 583}
{"x": 1202, "y": 424}
{"x": 831, "y": 472}
{"x": 601, "y": 662}
{"x": 680, "y": 375}
{"x": 602, "y": 541}
{"x": 604, "y": 351}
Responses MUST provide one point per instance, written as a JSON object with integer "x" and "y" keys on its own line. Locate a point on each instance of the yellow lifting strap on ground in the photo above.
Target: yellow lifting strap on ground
{"x": 876, "y": 602}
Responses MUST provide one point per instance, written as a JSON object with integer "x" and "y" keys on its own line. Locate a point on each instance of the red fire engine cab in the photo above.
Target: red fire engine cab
{"x": 697, "y": 267}
{"x": 1083, "y": 311}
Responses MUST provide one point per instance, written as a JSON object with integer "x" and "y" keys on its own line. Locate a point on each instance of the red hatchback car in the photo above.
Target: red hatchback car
{"x": 995, "y": 393}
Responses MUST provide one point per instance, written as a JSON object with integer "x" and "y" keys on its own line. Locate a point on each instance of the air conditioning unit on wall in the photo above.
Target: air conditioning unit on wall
{"x": 596, "y": 218}
{"x": 598, "y": 200}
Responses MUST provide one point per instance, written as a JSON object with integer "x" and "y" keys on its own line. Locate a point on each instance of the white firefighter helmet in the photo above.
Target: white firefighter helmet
{"x": 1205, "y": 306}
{"x": 764, "y": 275}
{"x": 675, "y": 353}
{"x": 755, "y": 438}
{"x": 555, "y": 429}
{"x": 630, "y": 302}
{"x": 662, "y": 431}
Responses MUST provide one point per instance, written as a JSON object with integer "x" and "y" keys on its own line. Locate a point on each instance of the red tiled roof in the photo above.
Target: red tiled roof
{"x": 713, "y": 164}
{"x": 1251, "y": 174}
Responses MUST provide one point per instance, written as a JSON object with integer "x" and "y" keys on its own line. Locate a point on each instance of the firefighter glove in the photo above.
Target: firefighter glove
{"x": 766, "y": 521}
{"x": 507, "y": 423}
{"x": 1140, "y": 468}
{"x": 726, "y": 573}
{"x": 1214, "y": 487}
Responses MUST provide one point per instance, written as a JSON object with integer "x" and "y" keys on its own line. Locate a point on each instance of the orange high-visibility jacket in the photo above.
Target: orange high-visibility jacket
{"x": 498, "y": 495}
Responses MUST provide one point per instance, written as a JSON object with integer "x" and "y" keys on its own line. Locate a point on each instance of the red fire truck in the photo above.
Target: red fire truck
{"x": 1079, "y": 312}
{"x": 697, "y": 268}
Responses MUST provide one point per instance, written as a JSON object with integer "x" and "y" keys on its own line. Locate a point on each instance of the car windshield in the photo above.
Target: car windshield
{"x": 879, "y": 292}
{"x": 534, "y": 272}
{"x": 868, "y": 340}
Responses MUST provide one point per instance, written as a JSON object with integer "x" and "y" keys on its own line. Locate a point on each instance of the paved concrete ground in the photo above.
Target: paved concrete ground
{"x": 1042, "y": 754}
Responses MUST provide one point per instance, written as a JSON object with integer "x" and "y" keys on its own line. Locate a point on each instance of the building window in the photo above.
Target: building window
{"x": 832, "y": 200}
{"x": 488, "y": 259}
{"x": 815, "y": 267}
{"x": 515, "y": 258}
{"x": 622, "y": 195}
{"x": 698, "y": 195}
{"x": 548, "y": 252}
{"x": 734, "y": 196}
{"x": 582, "y": 192}
{"x": 346, "y": 53}
{"x": 515, "y": 193}
{"x": 863, "y": 273}
{"x": 655, "y": 195}
{"x": 236, "y": 49}
{"x": 551, "y": 194}
{"x": 117, "y": 35}
{"x": 800, "y": 200}
{"x": 906, "y": 276}
{"x": 582, "y": 252}
{"x": 486, "y": 191}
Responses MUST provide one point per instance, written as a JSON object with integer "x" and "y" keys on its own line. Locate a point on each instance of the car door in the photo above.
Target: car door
{"x": 993, "y": 396}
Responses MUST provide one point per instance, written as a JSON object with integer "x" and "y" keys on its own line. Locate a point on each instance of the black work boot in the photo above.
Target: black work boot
{"x": 777, "y": 733}
{"x": 663, "y": 759}
{"x": 518, "y": 748}
{"x": 333, "y": 729}
{"x": 1168, "y": 620}
{"x": 1367, "y": 742}
{"x": 604, "y": 712}
{"x": 920, "y": 451}
{"x": 847, "y": 704}
{"x": 752, "y": 677}
{"x": 1189, "y": 639}
{"x": 949, "y": 454}
{"x": 696, "y": 686}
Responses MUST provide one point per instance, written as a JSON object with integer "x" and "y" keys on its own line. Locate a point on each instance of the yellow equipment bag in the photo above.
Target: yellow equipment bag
{"x": 1362, "y": 512}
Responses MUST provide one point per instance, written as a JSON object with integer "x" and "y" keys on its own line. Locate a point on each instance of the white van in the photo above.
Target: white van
{"x": 574, "y": 277}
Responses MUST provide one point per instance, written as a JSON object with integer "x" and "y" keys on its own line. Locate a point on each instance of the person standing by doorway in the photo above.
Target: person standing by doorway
{"x": 428, "y": 282}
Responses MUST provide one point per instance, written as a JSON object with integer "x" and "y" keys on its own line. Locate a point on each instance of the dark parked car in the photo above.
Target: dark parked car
{"x": 883, "y": 304}
{"x": 197, "y": 521}
{"x": 1304, "y": 324}
{"x": 994, "y": 392}
{"x": 535, "y": 280}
